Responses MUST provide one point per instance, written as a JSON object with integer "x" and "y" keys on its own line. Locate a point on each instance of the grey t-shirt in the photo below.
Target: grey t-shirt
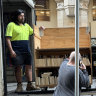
{"x": 66, "y": 80}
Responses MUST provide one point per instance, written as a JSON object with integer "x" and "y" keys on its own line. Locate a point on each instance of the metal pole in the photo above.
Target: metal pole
{"x": 77, "y": 47}
{"x": 3, "y": 47}
{"x": 32, "y": 47}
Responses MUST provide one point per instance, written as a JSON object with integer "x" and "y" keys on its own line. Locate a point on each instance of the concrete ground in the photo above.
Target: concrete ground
{"x": 40, "y": 95}
{"x": 12, "y": 86}
{"x": 30, "y": 95}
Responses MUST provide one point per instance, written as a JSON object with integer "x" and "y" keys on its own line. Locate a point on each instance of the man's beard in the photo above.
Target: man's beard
{"x": 21, "y": 21}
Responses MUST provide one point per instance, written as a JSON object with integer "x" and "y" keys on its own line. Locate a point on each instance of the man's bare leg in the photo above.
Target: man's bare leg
{"x": 28, "y": 72}
{"x": 18, "y": 75}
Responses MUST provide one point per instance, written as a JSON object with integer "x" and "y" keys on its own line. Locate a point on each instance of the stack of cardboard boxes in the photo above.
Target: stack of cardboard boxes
{"x": 49, "y": 62}
{"x": 46, "y": 79}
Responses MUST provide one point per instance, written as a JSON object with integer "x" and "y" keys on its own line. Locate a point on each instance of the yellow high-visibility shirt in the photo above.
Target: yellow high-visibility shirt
{"x": 18, "y": 32}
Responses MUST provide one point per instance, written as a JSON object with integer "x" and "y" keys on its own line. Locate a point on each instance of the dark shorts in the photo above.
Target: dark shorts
{"x": 22, "y": 59}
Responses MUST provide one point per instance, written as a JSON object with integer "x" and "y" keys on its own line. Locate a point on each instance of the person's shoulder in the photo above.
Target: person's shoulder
{"x": 11, "y": 24}
{"x": 64, "y": 62}
{"x": 66, "y": 59}
{"x": 26, "y": 24}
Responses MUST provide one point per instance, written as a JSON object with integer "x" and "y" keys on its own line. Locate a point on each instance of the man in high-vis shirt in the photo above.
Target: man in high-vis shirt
{"x": 17, "y": 38}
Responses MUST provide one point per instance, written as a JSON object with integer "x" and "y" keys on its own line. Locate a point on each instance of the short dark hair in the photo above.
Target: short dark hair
{"x": 16, "y": 14}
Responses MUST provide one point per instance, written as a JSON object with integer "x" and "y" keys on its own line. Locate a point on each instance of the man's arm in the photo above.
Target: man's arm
{"x": 83, "y": 75}
{"x": 12, "y": 53}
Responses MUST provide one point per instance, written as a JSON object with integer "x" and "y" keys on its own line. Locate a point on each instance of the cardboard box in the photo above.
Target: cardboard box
{"x": 51, "y": 80}
{"x": 37, "y": 80}
{"x": 90, "y": 79}
{"x": 40, "y": 62}
{"x": 47, "y": 74}
{"x": 86, "y": 61}
{"x": 55, "y": 80}
{"x": 57, "y": 61}
{"x": 42, "y": 81}
{"x": 47, "y": 81}
{"x": 49, "y": 62}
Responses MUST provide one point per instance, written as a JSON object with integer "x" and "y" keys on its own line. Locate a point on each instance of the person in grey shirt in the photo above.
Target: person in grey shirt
{"x": 66, "y": 78}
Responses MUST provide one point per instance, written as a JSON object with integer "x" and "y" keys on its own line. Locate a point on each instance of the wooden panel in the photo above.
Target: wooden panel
{"x": 37, "y": 42}
{"x": 64, "y": 38}
{"x": 61, "y": 42}
{"x": 63, "y": 32}
{"x": 93, "y": 29}
{"x": 36, "y": 31}
{"x": 37, "y": 38}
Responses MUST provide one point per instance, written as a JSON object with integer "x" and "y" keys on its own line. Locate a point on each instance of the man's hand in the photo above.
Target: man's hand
{"x": 82, "y": 67}
{"x": 13, "y": 54}
{"x": 42, "y": 28}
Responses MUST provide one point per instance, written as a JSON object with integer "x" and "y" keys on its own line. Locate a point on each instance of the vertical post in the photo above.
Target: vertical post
{"x": 32, "y": 46}
{"x": 2, "y": 48}
{"x": 77, "y": 47}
